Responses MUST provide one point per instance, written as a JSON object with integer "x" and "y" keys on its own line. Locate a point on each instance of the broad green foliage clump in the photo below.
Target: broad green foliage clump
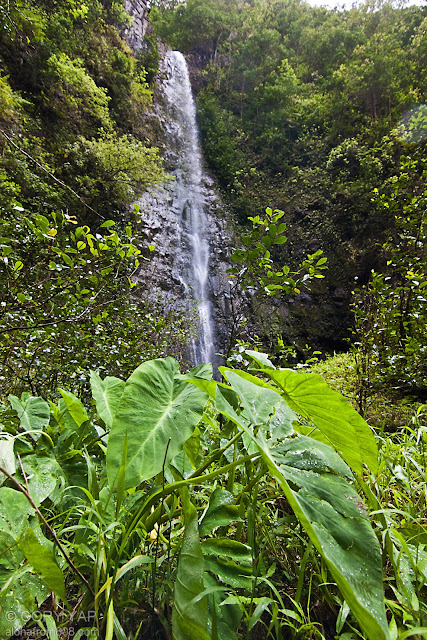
{"x": 75, "y": 153}
{"x": 309, "y": 109}
{"x": 86, "y": 102}
{"x": 390, "y": 311}
{"x": 66, "y": 301}
{"x": 254, "y": 271}
{"x": 179, "y": 497}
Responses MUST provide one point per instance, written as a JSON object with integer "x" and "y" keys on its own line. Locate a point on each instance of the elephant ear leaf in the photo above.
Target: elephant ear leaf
{"x": 315, "y": 482}
{"x": 33, "y": 412}
{"x": 190, "y": 614}
{"x": 345, "y": 430}
{"x": 156, "y": 414}
{"x": 107, "y": 394}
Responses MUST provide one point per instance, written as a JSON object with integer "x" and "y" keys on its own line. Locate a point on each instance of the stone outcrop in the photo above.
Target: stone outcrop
{"x": 164, "y": 217}
{"x": 134, "y": 34}
{"x": 165, "y": 222}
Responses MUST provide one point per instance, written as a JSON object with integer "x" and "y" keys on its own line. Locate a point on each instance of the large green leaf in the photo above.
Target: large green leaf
{"x": 258, "y": 399}
{"x": 20, "y": 591}
{"x": 309, "y": 395}
{"x": 14, "y": 511}
{"x": 43, "y": 475}
{"x": 33, "y": 412}
{"x": 335, "y": 519}
{"x": 75, "y": 410}
{"x": 262, "y": 404}
{"x": 20, "y": 596}
{"x": 189, "y": 618}
{"x": 43, "y": 561}
{"x": 260, "y": 359}
{"x": 156, "y": 415}
{"x": 221, "y": 511}
{"x": 107, "y": 394}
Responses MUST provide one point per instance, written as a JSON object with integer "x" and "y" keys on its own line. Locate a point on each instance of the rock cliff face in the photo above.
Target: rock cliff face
{"x": 138, "y": 11}
{"x": 169, "y": 213}
{"x": 169, "y": 222}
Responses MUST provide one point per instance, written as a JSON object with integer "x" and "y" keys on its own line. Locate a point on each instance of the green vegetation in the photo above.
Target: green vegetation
{"x": 75, "y": 154}
{"x": 310, "y": 110}
{"x": 210, "y": 509}
{"x": 139, "y": 502}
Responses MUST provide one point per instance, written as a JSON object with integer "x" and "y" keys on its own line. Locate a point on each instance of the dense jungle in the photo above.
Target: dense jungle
{"x": 282, "y": 495}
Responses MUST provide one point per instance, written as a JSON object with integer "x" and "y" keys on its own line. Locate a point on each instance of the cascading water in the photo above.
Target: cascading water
{"x": 190, "y": 251}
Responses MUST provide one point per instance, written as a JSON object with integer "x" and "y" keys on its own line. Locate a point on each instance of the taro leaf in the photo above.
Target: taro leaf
{"x": 260, "y": 359}
{"x": 227, "y": 617}
{"x": 335, "y": 519}
{"x": 227, "y": 547}
{"x": 7, "y": 457}
{"x": 189, "y": 618}
{"x": 14, "y": 511}
{"x": 21, "y": 597}
{"x": 33, "y": 412}
{"x": 75, "y": 410}
{"x": 107, "y": 394}
{"x": 238, "y": 576}
{"x": 310, "y": 455}
{"x": 281, "y": 422}
{"x": 258, "y": 399}
{"x": 156, "y": 415}
{"x": 183, "y": 465}
{"x": 221, "y": 511}
{"x": 309, "y": 395}
{"x": 192, "y": 448}
{"x": 43, "y": 475}
{"x": 203, "y": 371}
{"x": 43, "y": 562}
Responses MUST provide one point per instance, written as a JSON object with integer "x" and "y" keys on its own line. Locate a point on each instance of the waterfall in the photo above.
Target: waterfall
{"x": 186, "y": 216}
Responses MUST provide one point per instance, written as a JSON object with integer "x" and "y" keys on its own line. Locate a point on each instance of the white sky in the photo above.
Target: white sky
{"x": 348, "y": 3}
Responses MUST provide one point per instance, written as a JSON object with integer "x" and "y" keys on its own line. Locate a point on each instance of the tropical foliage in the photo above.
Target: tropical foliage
{"x": 310, "y": 109}
{"x": 139, "y": 502}
{"x": 202, "y": 506}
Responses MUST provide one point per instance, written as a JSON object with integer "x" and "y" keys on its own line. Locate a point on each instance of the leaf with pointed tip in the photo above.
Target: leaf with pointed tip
{"x": 260, "y": 359}
{"x": 310, "y": 396}
{"x": 336, "y": 521}
{"x": 43, "y": 562}
{"x": 107, "y": 394}
{"x": 33, "y": 412}
{"x": 157, "y": 413}
{"x": 43, "y": 475}
{"x": 203, "y": 371}
{"x": 75, "y": 408}
{"x": 189, "y": 618}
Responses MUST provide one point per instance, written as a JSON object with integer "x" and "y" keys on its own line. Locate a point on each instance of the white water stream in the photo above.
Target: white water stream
{"x": 191, "y": 252}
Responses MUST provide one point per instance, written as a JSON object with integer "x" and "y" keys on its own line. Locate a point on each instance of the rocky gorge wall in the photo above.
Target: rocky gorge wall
{"x": 166, "y": 214}
{"x": 134, "y": 34}
{"x": 165, "y": 219}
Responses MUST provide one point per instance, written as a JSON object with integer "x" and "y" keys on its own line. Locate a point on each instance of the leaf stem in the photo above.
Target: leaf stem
{"x": 47, "y": 525}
